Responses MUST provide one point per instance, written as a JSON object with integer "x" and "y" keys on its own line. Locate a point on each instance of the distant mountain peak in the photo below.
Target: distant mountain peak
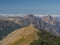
{"x": 31, "y": 15}
{"x": 50, "y": 16}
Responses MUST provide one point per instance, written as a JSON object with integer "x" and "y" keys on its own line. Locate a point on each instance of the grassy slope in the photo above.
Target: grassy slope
{"x": 23, "y": 36}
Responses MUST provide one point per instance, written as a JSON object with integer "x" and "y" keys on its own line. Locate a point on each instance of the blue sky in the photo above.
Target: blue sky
{"x": 29, "y": 6}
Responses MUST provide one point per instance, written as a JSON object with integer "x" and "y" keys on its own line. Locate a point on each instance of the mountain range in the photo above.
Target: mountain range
{"x": 48, "y": 23}
{"x": 11, "y": 27}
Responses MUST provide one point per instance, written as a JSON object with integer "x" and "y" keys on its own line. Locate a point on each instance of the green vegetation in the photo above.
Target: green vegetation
{"x": 45, "y": 38}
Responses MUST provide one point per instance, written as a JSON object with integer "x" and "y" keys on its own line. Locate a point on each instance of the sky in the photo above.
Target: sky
{"x": 30, "y": 7}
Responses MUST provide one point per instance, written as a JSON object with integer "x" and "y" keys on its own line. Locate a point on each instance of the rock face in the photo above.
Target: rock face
{"x": 49, "y": 19}
{"x": 53, "y": 24}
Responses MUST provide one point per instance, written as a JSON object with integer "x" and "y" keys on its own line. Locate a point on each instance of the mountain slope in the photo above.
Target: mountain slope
{"x": 23, "y": 36}
{"x": 16, "y": 19}
{"x": 46, "y": 38}
{"x": 7, "y": 27}
{"x": 30, "y": 36}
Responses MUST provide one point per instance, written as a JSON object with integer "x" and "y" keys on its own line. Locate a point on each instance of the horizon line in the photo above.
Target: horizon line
{"x": 6, "y": 15}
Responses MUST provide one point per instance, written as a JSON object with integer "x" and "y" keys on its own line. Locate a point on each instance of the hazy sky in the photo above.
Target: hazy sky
{"x": 29, "y": 6}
